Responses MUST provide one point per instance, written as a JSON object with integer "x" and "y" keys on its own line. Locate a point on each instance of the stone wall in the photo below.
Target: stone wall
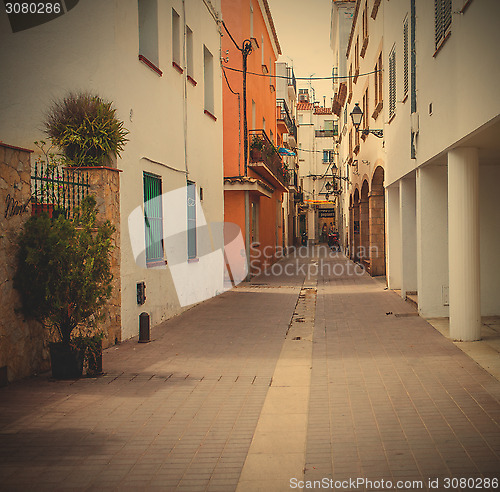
{"x": 22, "y": 350}
{"x": 105, "y": 186}
{"x": 23, "y": 347}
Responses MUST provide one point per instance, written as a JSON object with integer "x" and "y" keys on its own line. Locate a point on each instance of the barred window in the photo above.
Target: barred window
{"x": 153, "y": 220}
{"x": 442, "y": 20}
{"x": 406, "y": 58}
{"x": 392, "y": 82}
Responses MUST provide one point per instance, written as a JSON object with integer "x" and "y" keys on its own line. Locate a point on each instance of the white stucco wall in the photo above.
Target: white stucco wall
{"x": 95, "y": 47}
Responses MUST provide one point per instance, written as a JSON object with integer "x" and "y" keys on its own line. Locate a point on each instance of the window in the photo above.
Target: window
{"x": 251, "y": 20}
{"x": 329, "y": 125}
{"x": 405, "y": 57}
{"x": 189, "y": 52}
{"x": 176, "y": 39}
{"x": 328, "y": 156}
{"x": 208, "y": 78}
{"x": 356, "y": 60}
{"x": 264, "y": 124}
{"x": 392, "y": 82}
{"x": 365, "y": 110}
{"x": 350, "y": 84}
{"x": 442, "y": 20}
{"x": 262, "y": 48}
{"x": 253, "y": 114}
{"x": 153, "y": 220}
{"x": 191, "y": 220}
{"x": 377, "y": 94}
{"x": 148, "y": 30}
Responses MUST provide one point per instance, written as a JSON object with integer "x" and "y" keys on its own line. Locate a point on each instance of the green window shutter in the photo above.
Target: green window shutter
{"x": 153, "y": 219}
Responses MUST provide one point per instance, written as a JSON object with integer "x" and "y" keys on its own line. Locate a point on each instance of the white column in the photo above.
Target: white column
{"x": 393, "y": 245}
{"x": 408, "y": 217}
{"x": 463, "y": 244}
{"x": 432, "y": 241}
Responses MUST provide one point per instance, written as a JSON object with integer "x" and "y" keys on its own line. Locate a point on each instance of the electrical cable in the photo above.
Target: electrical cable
{"x": 333, "y": 77}
{"x": 227, "y": 82}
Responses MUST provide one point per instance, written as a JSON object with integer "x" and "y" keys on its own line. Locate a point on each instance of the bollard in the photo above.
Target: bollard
{"x": 144, "y": 328}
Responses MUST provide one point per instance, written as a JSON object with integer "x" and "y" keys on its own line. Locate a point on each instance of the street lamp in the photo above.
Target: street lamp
{"x": 357, "y": 116}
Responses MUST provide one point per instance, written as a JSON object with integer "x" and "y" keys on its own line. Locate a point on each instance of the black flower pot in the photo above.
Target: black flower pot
{"x": 66, "y": 361}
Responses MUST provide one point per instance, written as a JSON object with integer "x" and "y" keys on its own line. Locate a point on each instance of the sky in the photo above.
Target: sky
{"x": 303, "y": 29}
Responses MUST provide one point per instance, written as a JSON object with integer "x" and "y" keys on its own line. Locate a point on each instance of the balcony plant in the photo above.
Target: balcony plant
{"x": 86, "y": 129}
{"x": 257, "y": 148}
{"x": 64, "y": 280}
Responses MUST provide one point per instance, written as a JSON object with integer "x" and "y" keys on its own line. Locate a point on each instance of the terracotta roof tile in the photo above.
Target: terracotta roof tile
{"x": 322, "y": 110}
{"x": 304, "y": 106}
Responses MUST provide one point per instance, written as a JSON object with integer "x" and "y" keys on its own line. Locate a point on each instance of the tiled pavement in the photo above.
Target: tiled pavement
{"x": 390, "y": 398}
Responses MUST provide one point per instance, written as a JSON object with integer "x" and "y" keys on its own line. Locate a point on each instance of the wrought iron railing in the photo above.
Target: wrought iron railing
{"x": 263, "y": 150}
{"x": 291, "y": 78}
{"x": 284, "y": 114}
{"x": 57, "y": 189}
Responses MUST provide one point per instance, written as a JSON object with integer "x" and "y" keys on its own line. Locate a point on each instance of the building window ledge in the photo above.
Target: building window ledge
{"x": 349, "y": 98}
{"x": 156, "y": 263}
{"x": 364, "y": 136}
{"x": 207, "y": 112}
{"x": 265, "y": 70}
{"x": 356, "y": 75}
{"x": 377, "y": 110}
{"x": 405, "y": 98}
{"x": 193, "y": 82}
{"x": 177, "y": 67}
{"x": 356, "y": 149}
{"x": 193, "y": 260}
{"x": 150, "y": 64}
{"x": 392, "y": 117}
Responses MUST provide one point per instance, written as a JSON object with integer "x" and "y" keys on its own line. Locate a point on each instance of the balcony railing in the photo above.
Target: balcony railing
{"x": 284, "y": 114}
{"x": 265, "y": 159}
{"x": 327, "y": 133}
{"x": 291, "y": 78}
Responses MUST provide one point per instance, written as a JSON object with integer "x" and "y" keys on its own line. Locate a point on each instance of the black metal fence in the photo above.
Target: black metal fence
{"x": 57, "y": 189}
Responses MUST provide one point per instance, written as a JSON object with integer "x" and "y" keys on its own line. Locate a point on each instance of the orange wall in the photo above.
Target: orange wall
{"x": 236, "y": 15}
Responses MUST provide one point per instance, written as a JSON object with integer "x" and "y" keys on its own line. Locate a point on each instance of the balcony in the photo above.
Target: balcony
{"x": 292, "y": 84}
{"x": 292, "y": 180}
{"x": 284, "y": 120}
{"x": 327, "y": 133}
{"x": 265, "y": 160}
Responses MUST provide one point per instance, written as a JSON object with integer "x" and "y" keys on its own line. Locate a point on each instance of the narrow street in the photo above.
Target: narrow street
{"x": 314, "y": 372}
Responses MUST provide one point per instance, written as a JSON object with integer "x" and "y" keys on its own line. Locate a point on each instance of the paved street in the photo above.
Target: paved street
{"x": 285, "y": 378}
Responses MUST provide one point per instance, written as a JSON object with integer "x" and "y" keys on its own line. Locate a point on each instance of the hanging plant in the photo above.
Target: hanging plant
{"x": 86, "y": 129}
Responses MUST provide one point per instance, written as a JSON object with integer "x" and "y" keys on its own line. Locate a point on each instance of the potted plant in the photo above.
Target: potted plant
{"x": 86, "y": 129}
{"x": 91, "y": 345}
{"x": 64, "y": 279}
{"x": 256, "y": 149}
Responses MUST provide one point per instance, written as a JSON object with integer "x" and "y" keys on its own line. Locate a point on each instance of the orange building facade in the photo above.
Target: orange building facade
{"x": 253, "y": 190}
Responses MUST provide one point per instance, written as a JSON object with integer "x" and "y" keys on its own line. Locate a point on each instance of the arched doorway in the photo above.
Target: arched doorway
{"x": 376, "y": 202}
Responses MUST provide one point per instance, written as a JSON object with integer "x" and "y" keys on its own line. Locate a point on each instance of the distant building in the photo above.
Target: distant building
{"x": 317, "y": 131}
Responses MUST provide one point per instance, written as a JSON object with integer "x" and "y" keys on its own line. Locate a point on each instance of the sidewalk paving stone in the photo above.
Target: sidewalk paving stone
{"x": 388, "y": 397}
